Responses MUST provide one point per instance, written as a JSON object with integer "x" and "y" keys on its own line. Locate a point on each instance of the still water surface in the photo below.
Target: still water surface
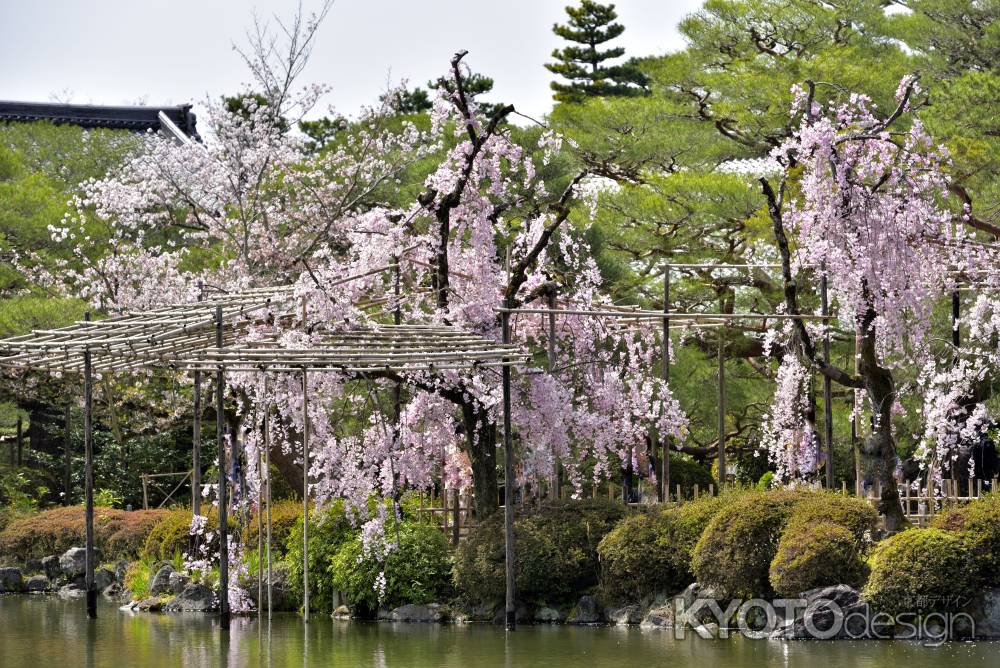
{"x": 44, "y": 632}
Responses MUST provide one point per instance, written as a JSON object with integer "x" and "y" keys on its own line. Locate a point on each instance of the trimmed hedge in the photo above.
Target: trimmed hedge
{"x": 56, "y": 530}
{"x": 812, "y": 555}
{"x": 632, "y": 563}
{"x": 171, "y": 535}
{"x": 418, "y": 570}
{"x": 734, "y": 553}
{"x": 920, "y": 570}
{"x": 650, "y": 553}
{"x": 851, "y": 513}
{"x": 978, "y": 525}
{"x": 128, "y": 542}
{"x": 284, "y": 516}
{"x": 555, "y": 552}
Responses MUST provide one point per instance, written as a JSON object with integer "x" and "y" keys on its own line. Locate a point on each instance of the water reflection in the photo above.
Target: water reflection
{"x": 38, "y": 632}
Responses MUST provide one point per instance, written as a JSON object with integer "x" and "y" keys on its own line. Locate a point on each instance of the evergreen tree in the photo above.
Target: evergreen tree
{"x": 585, "y": 66}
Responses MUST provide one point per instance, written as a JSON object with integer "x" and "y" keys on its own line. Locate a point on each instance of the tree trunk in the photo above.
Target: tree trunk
{"x": 481, "y": 445}
{"x": 878, "y": 453}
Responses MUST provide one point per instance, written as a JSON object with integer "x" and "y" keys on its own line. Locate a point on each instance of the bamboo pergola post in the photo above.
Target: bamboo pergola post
{"x": 508, "y": 491}
{"x": 664, "y": 487}
{"x": 827, "y": 386}
{"x": 196, "y": 447}
{"x": 220, "y": 435}
{"x": 305, "y": 496}
{"x": 267, "y": 472}
{"x": 722, "y": 399}
{"x": 67, "y": 453}
{"x": 88, "y": 477}
{"x": 556, "y": 466}
{"x": 20, "y": 440}
{"x": 145, "y": 491}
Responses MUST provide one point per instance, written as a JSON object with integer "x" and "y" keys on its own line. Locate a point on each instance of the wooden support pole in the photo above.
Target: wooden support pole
{"x": 508, "y": 489}
{"x": 664, "y": 489}
{"x": 722, "y": 400}
{"x": 305, "y": 497}
{"x": 260, "y": 530}
{"x": 267, "y": 472}
{"x": 196, "y": 448}
{"x": 67, "y": 453}
{"x": 145, "y": 491}
{"x": 827, "y": 387}
{"x": 956, "y": 307}
{"x": 220, "y": 435}
{"x": 20, "y": 440}
{"x": 556, "y": 466}
{"x": 88, "y": 478}
{"x": 456, "y": 519}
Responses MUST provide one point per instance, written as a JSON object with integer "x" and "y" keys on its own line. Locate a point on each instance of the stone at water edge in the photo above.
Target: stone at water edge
{"x": 546, "y": 615}
{"x": 51, "y": 567}
{"x": 195, "y": 597}
{"x": 33, "y": 566}
{"x": 102, "y": 578}
{"x": 630, "y": 615}
{"x": 72, "y": 591}
{"x": 114, "y": 592}
{"x": 11, "y": 581}
{"x": 73, "y": 561}
{"x": 414, "y": 612}
{"x": 342, "y": 613}
{"x": 585, "y": 612}
{"x": 178, "y": 581}
{"x": 160, "y": 583}
{"x": 661, "y": 617}
{"x": 985, "y": 612}
{"x": 38, "y": 583}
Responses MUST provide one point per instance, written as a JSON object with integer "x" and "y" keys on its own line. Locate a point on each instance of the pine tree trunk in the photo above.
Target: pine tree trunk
{"x": 481, "y": 445}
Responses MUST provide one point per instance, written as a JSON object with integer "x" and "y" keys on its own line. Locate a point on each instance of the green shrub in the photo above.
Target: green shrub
{"x": 555, "y": 552}
{"x": 171, "y": 535}
{"x": 687, "y": 523}
{"x": 766, "y": 481}
{"x": 633, "y": 564}
{"x": 851, "y": 513}
{"x": 328, "y": 530}
{"x": 418, "y": 570}
{"x": 284, "y": 516}
{"x": 978, "y": 524}
{"x": 56, "y": 530}
{"x": 128, "y": 541}
{"x": 687, "y": 473}
{"x": 815, "y": 555}
{"x": 735, "y": 551}
{"x": 920, "y": 570}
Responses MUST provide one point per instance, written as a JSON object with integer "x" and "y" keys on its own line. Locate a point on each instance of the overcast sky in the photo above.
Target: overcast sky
{"x": 160, "y": 52}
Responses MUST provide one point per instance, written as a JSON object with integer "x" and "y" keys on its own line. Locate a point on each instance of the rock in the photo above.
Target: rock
{"x": 546, "y": 615}
{"x": 825, "y": 608}
{"x": 33, "y": 566}
{"x": 11, "y": 580}
{"x": 661, "y": 617}
{"x": 102, "y": 578}
{"x": 38, "y": 583}
{"x": 585, "y": 612}
{"x": 121, "y": 568}
{"x": 413, "y": 612}
{"x": 342, "y": 613}
{"x": 73, "y": 562}
{"x": 161, "y": 581}
{"x": 985, "y": 612}
{"x": 51, "y": 567}
{"x": 282, "y": 597}
{"x": 178, "y": 581}
{"x": 522, "y": 614}
{"x": 630, "y": 615}
{"x": 149, "y": 605}
{"x": 113, "y": 592}
{"x": 195, "y": 597}
{"x": 72, "y": 591}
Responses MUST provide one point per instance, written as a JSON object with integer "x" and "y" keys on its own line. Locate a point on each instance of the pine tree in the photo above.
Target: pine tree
{"x": 591, "y": 25}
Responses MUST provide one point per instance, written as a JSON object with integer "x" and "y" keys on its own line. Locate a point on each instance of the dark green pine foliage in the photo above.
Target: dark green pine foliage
{"x": 584, "y": 64}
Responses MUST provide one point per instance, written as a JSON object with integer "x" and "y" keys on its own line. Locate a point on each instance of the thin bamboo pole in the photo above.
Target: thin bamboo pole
{"x": 664, "y": 494}
{"x": 67, "y": 453}
{"x": 196, "y": 447}
{"x": 556, "y": 466}
{"x": 722, "y": 401}
{"x": 88, "y": 484}
{"x": 267, "y": 471}
{"x": 220, "y": 435}
{"x": 305, "y": 496}
{"x": 827, "y": 388}
{"x": 508, "y": 468}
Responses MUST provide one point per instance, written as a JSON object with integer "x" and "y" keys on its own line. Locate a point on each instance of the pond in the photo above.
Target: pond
{"x": 40, "y": 632}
